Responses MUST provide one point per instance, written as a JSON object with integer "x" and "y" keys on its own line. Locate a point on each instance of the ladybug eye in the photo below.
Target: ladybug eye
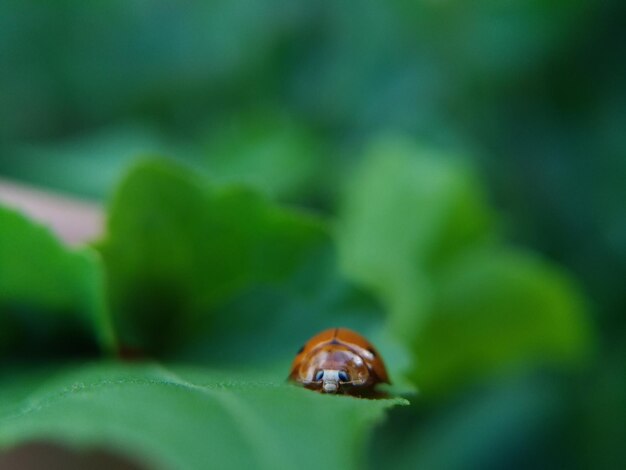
{"x": 319, "y": 375}
{"x": 343, "y": 376}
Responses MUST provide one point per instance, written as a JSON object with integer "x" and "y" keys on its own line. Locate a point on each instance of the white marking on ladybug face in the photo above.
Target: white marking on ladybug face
{"x": 332, "y": 378}
{"x": 330, "y": 381}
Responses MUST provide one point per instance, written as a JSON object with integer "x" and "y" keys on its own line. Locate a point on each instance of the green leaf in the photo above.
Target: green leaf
{"x": 190, "y": 418}
{"x": 178, "y": 248}
{"x": 51, "y": 298}
{"x": 415, "y": 227}
{"x": 406, "y": 214}
{"x": 266, "y": 151}
{"x": 497, "y": 308}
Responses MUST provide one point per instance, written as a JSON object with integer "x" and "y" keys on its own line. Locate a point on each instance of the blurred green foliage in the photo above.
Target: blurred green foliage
{"x": 176, "y": 245}
{"x": 417, "y": 230}
{"x": 47, "y": 291}
{"x": 378, "y": 165}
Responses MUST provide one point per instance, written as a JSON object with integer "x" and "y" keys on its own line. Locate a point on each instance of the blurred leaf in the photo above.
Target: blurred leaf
{"x": 88, "y": 165}
{"x": 482, "y": 429}
{"x": 190, "y": 418}
{"x": 415, "y": 227}
{"x": 406, "y": 214}
{"x": 266, "y": 151}
{"x": 312, "y": 299}
{"x": 497, "y": 308}
{"x": 178, "y": 248}
{"x": 51, "y": 298}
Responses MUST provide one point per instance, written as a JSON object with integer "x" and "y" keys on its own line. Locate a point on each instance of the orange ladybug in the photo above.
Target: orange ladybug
{"x": 341, "y": 361}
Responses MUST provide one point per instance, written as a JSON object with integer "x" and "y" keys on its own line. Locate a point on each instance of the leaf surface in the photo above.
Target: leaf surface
{"x": 189, "y": 417}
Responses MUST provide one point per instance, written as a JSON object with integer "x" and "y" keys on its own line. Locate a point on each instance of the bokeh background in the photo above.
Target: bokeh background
{"x": 285, "y": 96}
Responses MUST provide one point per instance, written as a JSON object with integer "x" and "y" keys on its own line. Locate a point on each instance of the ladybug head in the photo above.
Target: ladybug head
{"x": 331, "y": 379}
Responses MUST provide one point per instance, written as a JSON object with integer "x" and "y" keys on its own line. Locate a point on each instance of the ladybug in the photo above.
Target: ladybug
{"x": 339, "y": 361}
